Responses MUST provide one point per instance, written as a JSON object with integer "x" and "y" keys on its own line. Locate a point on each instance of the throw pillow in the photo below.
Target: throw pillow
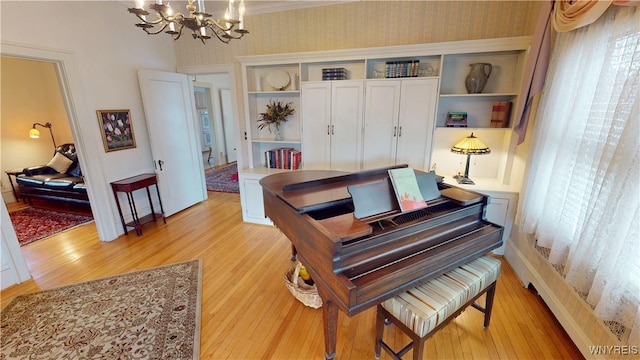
{"x": 60, "y": 163}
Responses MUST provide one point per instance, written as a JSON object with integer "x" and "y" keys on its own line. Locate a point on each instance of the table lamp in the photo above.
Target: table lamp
{"x": 35, "y": 133}
{"x": 470, "y": 145}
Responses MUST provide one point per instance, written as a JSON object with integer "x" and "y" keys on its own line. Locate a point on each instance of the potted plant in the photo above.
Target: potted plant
{"x": 276, "y": 113}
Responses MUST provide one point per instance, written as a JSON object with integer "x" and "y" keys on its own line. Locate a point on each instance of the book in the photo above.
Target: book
{"x": 495, "y": 106}
{"x": 406, "y": 189}
{"x": 500, "y": 112}
{"x": 456, "y": 119}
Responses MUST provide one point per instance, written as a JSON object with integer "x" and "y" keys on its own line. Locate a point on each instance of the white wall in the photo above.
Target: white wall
{"x": 105, "y": 49}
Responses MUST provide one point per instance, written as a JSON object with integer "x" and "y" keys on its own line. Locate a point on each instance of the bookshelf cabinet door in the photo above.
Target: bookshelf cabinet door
{"x": 346, "y": 124}
{"x": 381, "y": 123}
{"x": 416, "y": 122}
{"x": 316, "y": 125}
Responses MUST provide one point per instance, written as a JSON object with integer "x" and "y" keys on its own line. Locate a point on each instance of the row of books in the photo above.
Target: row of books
{"x": 500, "y": 113}
{"x": 334, "y": 74}
{"x": 398, "y": 69}
{"x": 283, "y": 158}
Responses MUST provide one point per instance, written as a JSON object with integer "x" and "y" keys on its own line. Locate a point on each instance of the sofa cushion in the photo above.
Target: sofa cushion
{"x": 38, "y": 180}
{"x": 60, "y": 183}
{"x": 60, "y": 163}
{"x": 80, "y": 187}
{"x": 74, "y": 169}
{"x": 38, "y": 170}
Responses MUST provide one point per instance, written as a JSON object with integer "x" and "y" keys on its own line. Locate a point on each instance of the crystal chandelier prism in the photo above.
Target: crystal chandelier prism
{"x": 201, "y": 24}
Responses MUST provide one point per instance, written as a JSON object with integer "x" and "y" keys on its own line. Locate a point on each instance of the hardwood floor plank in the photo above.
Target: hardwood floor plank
{"x": 248, "y": 313}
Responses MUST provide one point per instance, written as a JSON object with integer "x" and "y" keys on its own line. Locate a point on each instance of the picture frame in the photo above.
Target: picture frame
{"x": 116, "y": 129}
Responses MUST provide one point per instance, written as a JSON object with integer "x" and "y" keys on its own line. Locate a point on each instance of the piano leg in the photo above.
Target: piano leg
{"x": 330, "y": 319}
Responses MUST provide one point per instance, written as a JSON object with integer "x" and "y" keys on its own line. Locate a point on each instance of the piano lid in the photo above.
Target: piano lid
{"x": 308, "y": 190}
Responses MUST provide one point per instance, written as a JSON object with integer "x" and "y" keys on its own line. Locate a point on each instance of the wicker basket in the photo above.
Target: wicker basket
{"x": 307, "y": 294}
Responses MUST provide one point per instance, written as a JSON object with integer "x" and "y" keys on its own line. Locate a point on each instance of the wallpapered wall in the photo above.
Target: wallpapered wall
{"x": 365, "y": 24}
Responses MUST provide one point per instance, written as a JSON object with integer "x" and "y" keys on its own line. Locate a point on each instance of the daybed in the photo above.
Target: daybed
{"x": 60, "y": 179}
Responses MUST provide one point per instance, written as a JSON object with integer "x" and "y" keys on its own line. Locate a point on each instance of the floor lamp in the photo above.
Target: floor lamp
{"x": 470, "y": 145}
{"x": 35, "y": 133}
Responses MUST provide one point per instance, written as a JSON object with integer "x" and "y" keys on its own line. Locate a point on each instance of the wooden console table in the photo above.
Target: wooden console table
{"x": 128, "y": 186}
{"x": 14, "y": 173}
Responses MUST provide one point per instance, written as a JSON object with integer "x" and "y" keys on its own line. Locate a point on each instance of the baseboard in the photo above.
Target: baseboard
{"x": 528, "y": 274}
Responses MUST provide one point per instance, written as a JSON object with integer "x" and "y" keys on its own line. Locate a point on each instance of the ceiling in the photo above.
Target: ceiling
{"x": 253, "y": 7}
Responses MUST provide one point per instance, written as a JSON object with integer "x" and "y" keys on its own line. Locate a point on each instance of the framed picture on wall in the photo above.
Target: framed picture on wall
{"x": 117, "y": 131}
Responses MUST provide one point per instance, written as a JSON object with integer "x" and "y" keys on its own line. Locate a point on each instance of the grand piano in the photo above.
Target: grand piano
{"x": 359, "y": 248}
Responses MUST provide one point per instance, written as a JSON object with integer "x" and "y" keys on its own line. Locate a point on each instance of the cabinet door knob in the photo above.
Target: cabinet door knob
{"x": 332, "y": 126}
{"x": 328, "y": 131}
{"x": 160, "y": 162}
{"x": 399, "y": 131}
{"x": 394, "y": 131}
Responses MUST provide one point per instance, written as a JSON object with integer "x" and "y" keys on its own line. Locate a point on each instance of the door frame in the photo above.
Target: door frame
{"x": 228, "y": 69}
{"x": 211, "y": 107}
{"x": 75, "y": 106}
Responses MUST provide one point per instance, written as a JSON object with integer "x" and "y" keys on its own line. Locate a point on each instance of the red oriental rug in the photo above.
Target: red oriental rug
{"x": 224, "y": 179}
{"x": 33, "y": 224}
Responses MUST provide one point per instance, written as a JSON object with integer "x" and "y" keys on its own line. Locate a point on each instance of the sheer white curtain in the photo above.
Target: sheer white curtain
{"x": 582, "y": 195}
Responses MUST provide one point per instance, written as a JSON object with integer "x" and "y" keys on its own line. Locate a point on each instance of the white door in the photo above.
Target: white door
{"x": 346, "y": 124}
{"x": 13, "y": 267}
{"x": 381, "y": 123}
{"x": 229, "y": 127}
{"x": 316, "y": 126}
{"x": 416, "y": 122}
{"x": 169, "y": 108}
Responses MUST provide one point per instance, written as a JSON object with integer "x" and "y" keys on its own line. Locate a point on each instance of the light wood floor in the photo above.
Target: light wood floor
{"x": 247, "y": 312}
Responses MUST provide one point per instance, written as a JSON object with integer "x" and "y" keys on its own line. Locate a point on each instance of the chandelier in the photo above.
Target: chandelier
{"x": 201, "y": 24}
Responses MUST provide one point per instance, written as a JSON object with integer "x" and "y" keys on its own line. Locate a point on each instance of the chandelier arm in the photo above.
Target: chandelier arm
{"x": 223, "y": 39}
{"x": 176, "y": 35}
{"x": 164, "y": 26}
{"x": 216, "y": 23}
{"x": 224, "y": 34}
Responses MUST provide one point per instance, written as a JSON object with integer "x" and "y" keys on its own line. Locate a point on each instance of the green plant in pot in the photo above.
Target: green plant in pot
{"x": 276, "y": 113}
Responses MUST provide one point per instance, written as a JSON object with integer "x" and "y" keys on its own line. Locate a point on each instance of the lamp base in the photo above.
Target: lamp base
{"x": 463, "y": 180}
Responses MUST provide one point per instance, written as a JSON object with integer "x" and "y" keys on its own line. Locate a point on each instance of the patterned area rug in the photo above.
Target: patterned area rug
{"x": 224, "y": 179}
{"x": 33, "y": 224}
{"x": 149, "y": 314}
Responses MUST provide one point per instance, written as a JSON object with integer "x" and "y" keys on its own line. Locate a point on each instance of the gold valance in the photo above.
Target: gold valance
{"x": 569, "y": 15}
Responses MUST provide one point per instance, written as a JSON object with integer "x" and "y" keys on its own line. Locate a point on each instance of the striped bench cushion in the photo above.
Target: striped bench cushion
{"x": 427, "y": 305}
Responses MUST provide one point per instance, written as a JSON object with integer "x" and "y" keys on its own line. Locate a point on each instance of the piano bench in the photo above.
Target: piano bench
{"x": 423, "y": 310}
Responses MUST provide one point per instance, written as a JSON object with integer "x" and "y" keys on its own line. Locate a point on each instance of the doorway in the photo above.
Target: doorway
{"x": 216, "y": 118}
{"x": 32, "y": 96}
{"x": 71, "y": 89}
